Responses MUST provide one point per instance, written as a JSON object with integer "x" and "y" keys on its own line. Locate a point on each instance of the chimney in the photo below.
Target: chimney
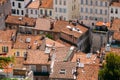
{"x": 40, "y": 1}
{"x": 51, "y": 25}
{"x": 25, "y": 56}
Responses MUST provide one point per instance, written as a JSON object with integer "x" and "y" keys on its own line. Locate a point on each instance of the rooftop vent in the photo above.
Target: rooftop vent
{"x": 20, "y": 18}
{"x": 62, "y": 71}
{"x": 47, "y": 50}
{"x": 107, "y": 48}
{"x": 28, "y": 40}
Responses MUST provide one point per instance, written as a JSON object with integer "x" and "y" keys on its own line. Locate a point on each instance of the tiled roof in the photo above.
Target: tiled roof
{"x": 60, "y": 53}
{"x": 102, "y": 23}
{"x": 24, "y": 21}
{"x": 37, "y": 57}
{"x": 47, "y": 4}
{"x": 5, "y": 36}
{"x": 68, "y": 66}
{"x": 59, "y": 25}
{"x": 42, "y": 24}
{"x": 116, "y": 4}
{"x": 34, "y": 4}
{"x": 112, "y": 49}
{"x": 2, "y": 1}
{"x": 115, "y": 25}
{"x": 89, "y": 72}
{"x": 18, "y": 63}
{"x": 83, "y": 58}
{"x": 74, "y": 33}
{"x": 22, "y": 44}
{"x": 116, "y": 36}
{"x": 55, "y": 43}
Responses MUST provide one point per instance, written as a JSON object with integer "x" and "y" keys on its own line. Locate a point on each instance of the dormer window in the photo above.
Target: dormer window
{"x": 62, "y": 71}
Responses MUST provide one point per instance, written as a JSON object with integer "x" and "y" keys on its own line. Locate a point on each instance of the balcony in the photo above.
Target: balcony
{"x": 41, "y": 73}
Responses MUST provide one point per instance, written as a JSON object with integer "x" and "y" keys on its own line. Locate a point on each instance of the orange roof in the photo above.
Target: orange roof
{"x": 2, "y": 1}
{"x": 22, "y": 44}
{"x": 89, "y": 72}
{"x": 74, "y": 33}
{"x": 47, "y": 4}
{"x": 116, "y": 36}
{"x": 34, "y": 4}
{"x": 5, "y": 36}
{"x": 20, "y": 21}
{"x": 116, "y": 4}
{"x": 37, "y": 57}
{"x": 115, "y": 25}
{"x": 83, "y": 58}
{"x": 102, "y": 23}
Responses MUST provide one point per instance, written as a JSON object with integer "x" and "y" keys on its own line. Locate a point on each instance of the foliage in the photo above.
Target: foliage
{"x": 111, "y": 70}
{"x": 8, "y": 79}
{"x": 4, "y": 61}
{"x": 49, "y": 36}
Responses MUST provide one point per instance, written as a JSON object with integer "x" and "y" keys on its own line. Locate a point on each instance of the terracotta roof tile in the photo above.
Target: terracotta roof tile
{"x": 116, "y": 36}
{"x": 37, "y": 57}
{"x": 22, "y": 44}
{"x": 34, "y": 4}
{"x": 68, "y": 66}
{"x": 24, "y": 21}
{"x": 115, "y": 25}
{"x": 47, "y": 4}
{"x": 116, "y": 4}
{"x": 89, "y": 72}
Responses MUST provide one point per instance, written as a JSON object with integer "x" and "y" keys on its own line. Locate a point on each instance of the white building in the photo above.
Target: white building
{"x": 114, "y": 10}
{"x": 92, "y": 11}
{"x": 19, "y": 7}
{"x": 66, "y": 9}
{"x": 33, "y": 9}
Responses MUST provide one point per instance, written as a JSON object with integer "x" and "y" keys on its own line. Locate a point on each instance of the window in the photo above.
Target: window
{"x": 101, "y": 3}
{"x": 60, "y": 10}
{"x": 86, "y": 10}
{"x": 31, "y": 11}
{"x": 22, "y": 13}
{"x": 18, "y": 12}
{"x": 36, "y": 12}
{"x": 116, "y": 11}
{"x": 111, "y": 10}
{"x": 41, "y": 11}
{"x": 86, "y": 2}
{"x": 4, "y": 49}
{"x": 64, "y": 10}
{"x": 60, "y": 2}
{"x": 33, "y": 67}
{"x": 64, "y": 18}
{"x": 91, "y": 10}
{"x": 55, "y": 9}
{"x": 62, "y": 71}
{"x": 96, "y": 11}
{"x": 17, "y": 53}
{"x": 19, "y": 5}
{"x": 56, "y": 2}
{"x": 44, "y": 68}
{"x": 96, "y": 3}
{"x": 81, "y": 9}
{"x": 100, "y": 11}
{"x": 13, "y": 3}
{"x": 82, "y": 2}
{"x": 13, "y": 11}
{"x": 50, "y": 12}
{"x": 106, "y": 4}
{"x": 105, "y": 12}
{"x": 91, "y": 2}
{"x": 64, "y": 3}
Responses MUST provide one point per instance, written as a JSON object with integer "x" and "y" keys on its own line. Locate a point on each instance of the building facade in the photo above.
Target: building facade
{"x": 19, "y": 7}
{"x": 92, "y": 11}
{"x": 65, "y": 10}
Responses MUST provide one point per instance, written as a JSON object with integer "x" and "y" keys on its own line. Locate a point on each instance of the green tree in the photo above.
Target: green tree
{"x": 111, "y": 70}
{"x": 4, "y": 61}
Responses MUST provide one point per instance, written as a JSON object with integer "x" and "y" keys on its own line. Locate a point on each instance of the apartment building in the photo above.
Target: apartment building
{"x": 114, "y": 10}
{"x": 19, "y": 7}
{"x": 92, "y": 11}
{"x": 65, "y": 9}
{"x": 5, "y": 9}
